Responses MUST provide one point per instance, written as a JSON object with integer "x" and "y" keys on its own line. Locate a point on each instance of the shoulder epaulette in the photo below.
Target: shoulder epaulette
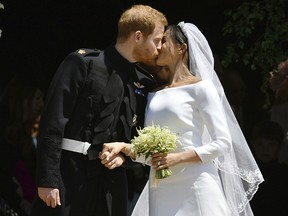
{"x": 88, "y": 52}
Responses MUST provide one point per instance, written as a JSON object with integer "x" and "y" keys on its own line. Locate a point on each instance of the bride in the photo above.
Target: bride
{"x": 213, "y": 170}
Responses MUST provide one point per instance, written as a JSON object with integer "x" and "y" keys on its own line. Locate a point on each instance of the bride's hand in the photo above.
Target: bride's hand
{"x": 161, "y": 160}
{"x": 111, "y": 149}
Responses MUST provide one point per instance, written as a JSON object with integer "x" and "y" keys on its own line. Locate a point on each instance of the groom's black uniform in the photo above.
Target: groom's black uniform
{"x": 96, "y": 97}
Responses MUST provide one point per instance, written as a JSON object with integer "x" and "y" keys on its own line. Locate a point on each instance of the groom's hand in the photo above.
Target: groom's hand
{"x": 50, "y": 196}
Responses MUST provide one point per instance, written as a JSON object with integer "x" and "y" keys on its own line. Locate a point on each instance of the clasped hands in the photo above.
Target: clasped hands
{"x": 111, "y": 156}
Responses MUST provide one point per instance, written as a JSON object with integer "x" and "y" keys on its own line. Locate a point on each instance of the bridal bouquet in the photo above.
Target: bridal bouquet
{"x": 154, "y": 139}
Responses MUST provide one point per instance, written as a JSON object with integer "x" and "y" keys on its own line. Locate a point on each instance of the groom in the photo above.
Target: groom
{"x": 95, "y": 97}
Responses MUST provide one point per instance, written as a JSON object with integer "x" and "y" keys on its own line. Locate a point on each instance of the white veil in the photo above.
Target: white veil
{"x": 238, "y": 170}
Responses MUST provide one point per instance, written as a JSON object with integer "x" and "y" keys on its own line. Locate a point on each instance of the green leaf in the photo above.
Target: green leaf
{"x": 258, "y": 35}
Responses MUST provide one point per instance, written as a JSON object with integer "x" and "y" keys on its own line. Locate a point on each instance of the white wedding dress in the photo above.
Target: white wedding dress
{"x": 193, "y": 189}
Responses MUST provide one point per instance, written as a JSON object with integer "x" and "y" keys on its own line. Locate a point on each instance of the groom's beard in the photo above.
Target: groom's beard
{"x": 144, "y": 55}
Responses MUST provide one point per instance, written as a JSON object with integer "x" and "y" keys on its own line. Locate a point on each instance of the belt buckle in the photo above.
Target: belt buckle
{"x": 85, "y": 148}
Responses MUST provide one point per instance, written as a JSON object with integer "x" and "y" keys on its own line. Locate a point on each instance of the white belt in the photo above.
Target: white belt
{"x": 75, "y": 146}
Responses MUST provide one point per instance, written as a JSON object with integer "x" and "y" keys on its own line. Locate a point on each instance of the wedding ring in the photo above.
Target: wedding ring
{"x": 159, "y": 163}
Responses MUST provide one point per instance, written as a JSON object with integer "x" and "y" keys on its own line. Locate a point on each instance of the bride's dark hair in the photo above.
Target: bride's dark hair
{"x": 179, "y": 38}
{"x": 177, "y": 34}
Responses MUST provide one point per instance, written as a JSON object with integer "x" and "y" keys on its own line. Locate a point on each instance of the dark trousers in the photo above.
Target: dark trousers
{"x": 87, "y": 188}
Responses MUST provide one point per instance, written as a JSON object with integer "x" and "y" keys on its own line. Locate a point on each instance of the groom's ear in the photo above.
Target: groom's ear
{"x": 138, "y": 35}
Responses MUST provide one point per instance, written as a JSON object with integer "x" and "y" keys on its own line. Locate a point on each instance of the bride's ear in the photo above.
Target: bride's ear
{"x": 183, "y": 48}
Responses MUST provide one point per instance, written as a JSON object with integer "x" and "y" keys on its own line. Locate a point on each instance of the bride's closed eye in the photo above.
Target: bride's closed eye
{"x": 163, "y": 40}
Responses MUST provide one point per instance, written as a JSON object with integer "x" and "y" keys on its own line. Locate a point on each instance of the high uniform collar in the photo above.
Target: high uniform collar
{"x": 116, "y": 60}
{"x": 133, "y": 70}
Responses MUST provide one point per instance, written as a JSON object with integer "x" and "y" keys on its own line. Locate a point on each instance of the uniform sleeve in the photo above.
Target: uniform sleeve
{"x": 213, "y": 115}
{"x": 59, "y": 103}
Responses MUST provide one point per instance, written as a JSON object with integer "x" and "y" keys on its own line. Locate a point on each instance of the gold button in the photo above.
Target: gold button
{"x": 81, "y": 51}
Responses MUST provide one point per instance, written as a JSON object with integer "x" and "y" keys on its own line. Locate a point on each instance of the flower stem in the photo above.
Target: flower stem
{"x": 163, "y": 173}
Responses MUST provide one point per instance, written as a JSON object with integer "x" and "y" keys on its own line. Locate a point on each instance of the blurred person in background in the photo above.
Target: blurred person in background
{"x": 279, "y": 109}
{"x": 266, "y": 141}
{"x": 20, "y": 109}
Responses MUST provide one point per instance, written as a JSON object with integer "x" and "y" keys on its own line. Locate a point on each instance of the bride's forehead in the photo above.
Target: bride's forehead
{"x": 167, "y": 32}
{"x": 167, "y": 35}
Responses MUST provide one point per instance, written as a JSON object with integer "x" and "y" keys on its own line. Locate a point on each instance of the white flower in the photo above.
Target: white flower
{"x": 154, "y": 139}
